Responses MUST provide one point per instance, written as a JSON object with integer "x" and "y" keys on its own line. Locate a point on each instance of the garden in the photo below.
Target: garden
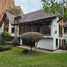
{"x": 12, "y": 56}
{"x": 16, "y": 58}
{"x": 4, "y": 36}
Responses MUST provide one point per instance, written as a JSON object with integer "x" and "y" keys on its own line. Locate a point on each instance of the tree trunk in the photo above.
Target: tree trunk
{"x": 31, "y": 47}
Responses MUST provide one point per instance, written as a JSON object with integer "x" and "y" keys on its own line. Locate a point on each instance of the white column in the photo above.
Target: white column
{"x": 21, "y": 42}
{"x": 54, "y": 44}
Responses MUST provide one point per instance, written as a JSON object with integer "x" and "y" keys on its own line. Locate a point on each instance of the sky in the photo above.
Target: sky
{"x": 30, "y": 5}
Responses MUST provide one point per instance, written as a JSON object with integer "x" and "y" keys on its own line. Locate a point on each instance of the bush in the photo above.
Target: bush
{"x": 16, "y": 41}
{"x": 25, "y": 51}
{"x": 4, "y": 37}
{"x": 4, "y": 48}
{"x": 31, "y": 37}
{"x": 64, "y": 47}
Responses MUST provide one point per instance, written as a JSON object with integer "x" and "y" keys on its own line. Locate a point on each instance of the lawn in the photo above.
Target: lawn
{"x": 15, "y": 58}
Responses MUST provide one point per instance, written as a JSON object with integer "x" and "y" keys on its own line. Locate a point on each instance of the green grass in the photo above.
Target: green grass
{"x": 15, "y": 58}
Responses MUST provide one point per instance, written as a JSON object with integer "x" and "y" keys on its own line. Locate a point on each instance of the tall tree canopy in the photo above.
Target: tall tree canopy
{"x": 15, "y": 10}
{"x": 52, "y": 6}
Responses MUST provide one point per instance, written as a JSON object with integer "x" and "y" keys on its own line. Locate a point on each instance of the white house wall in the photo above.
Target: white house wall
{"x": 10, "y": 27}
{"x": 50, "y": 44}
{"x": 17, "y": 30}
{"x": 65, "y": 35}
{"x": 55, "y": 28}
{"x": 45, "y": 44}
{"x": 9, "y": 30}
{"x": 2, "y": 27}
{"x": 55, "y": 32}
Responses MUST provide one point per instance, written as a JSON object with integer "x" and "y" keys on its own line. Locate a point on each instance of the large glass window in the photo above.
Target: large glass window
{"x": 25, "y": 28}
{"x": 46, "y": 30}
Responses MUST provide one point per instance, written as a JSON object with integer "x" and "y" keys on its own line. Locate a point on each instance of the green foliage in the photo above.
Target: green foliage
{"x": 51, "y": 6}
{"x": 4, "y": 48}
{"x": 64, "y": 15}
{"x": 4, "y": 37}
{"x": 25, "y": 51}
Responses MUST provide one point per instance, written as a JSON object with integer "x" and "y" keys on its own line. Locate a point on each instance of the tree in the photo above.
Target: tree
{"x": 14, "y": 10}
{"x": 32, "y": 37}
{"x": 51, "y": 6}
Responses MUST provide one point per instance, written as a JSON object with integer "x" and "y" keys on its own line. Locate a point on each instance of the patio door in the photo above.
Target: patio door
{"x": 56, "y": 43}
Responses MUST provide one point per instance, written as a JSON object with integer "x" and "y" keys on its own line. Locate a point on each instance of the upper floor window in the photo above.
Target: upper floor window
{"x": 65, "y": 30}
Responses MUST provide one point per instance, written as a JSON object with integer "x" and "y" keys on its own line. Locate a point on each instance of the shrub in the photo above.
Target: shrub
{"x": 4, "y": 48}
{"x": 64, "y": 46}
{"x": 32, "y": 37}
{"x": 16, "y": 41}
{"x": 25, "y": 51}
{"x": 4, "y": 37}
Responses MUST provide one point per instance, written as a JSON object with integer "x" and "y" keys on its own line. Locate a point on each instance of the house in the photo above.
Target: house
{"x": 4, "y": 5}
{"x": 5, "y": 23}
{"x": 65, "y": 30}
{"x": 50, "y": 25}
{"x": 6, "y": 18}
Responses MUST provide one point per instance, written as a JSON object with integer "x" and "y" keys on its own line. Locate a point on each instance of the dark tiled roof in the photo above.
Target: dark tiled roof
{"x": 10, "y": 17}
{"x": 37, "y": 15}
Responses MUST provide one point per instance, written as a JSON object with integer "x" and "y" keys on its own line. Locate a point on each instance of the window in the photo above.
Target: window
{"x": 63, "y": 41}
{"x": 46, "y": 30}
{"x": 65, "y": 30}
{"x": 13, "y": 30}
